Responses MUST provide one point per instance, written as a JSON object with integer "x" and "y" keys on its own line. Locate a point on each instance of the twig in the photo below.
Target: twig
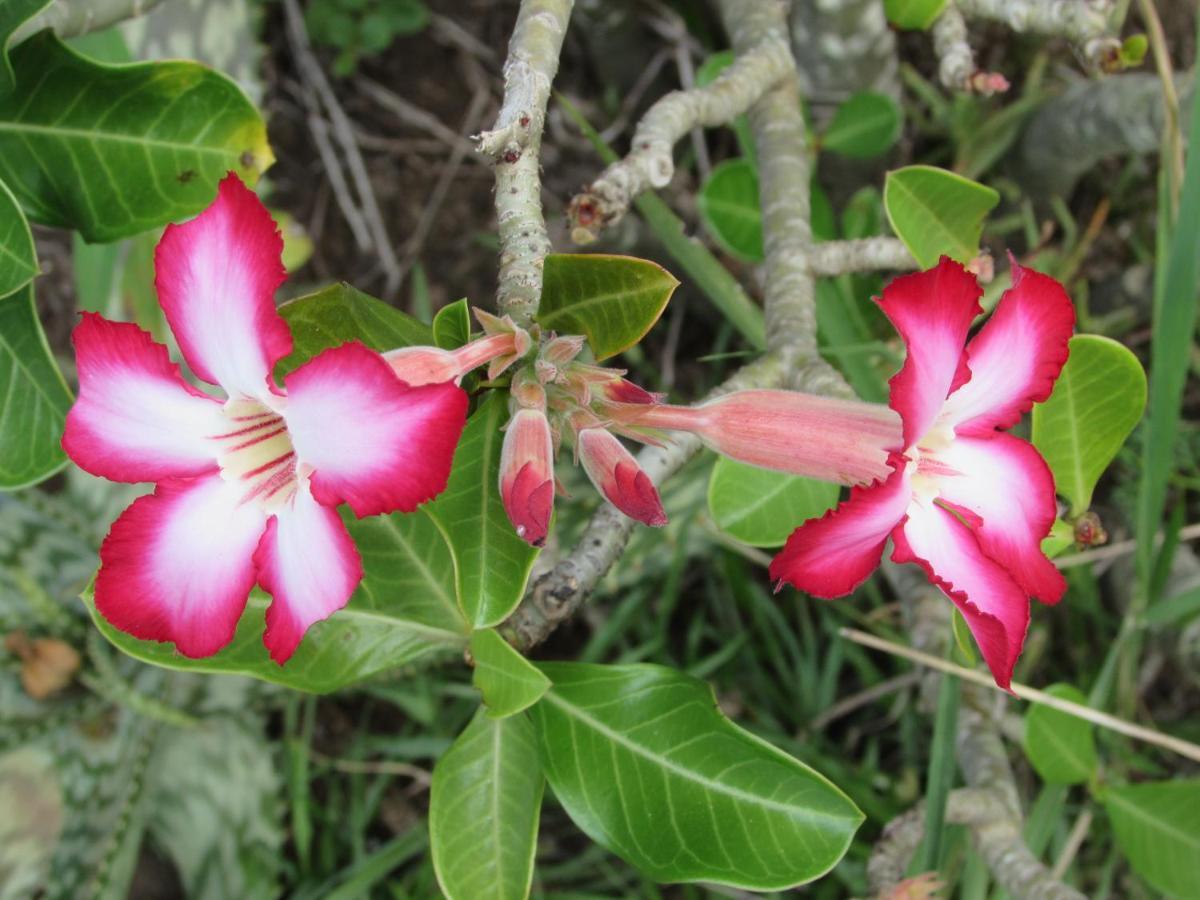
{"x": 650, "y": 164}
{"x": 1033, "y": 695}
{"x": 319, "y": 129}
{"x": 997, "y": 836}
{"x": 1074, "y": 841}
{"x": 437, "y": 196}
{"x": 343, "y": 131}
{"x": 1084, "y": 23}
{"x": 863, "y": 698}
{"x": 1172, "y": 133}
{"x": 832, "y": 258}
{"x": 371, "y": 767}
{"x": 411, "y": 114}
{"x": 514, "y": 143}
{"x": 1120, "y": 548}
{"x": 780, "y": 137}
{"x": 956, "y": 61}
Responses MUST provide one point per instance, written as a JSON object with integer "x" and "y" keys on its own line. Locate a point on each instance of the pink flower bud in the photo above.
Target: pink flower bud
{"x": 527, "y": 475}
{"x": 423, "y": 365}
{"x": 846, "y": 441}
{"x": 563, "y": 349}
{"x": 616, "y": 475}
{"x": 432, "y": 365}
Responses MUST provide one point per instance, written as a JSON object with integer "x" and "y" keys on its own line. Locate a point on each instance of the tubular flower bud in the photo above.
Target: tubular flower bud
{"x": 845, "y": 441}
{"x": 617, "y": 476}
{"x": 527, "y": 474}
{"x": 432, "y": 365}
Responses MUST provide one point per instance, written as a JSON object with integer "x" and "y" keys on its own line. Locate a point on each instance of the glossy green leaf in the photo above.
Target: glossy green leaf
{"x": 613, "y": 300}
{"x": 729, "y": 208}
{"x": 402, "y": 612}
{"x": 1059, "y": 540}
{"x": 728, "y": 204}
{"x": 866, "y": 125}
{"x": 33, "y": 396}
{"x": 761, "y": 507}
{"x": 1097, "y": 401}
{"x": 18, "y": 259}
{"x": 1060, "y": 747}
{"x": 13, "y": 14}
{"x": 644, "y": 763}
{"x": 113, "y": 150}
{"x": 484, "y": 806}
{"x": 935, "y": 212}
{"x": 341, "y": 313}
{"x": 913, "y": 14}
{"x": 452, "y": 325}
{"x": 491, "y": 564}
{"x": 508, "y": 681}
{"x": 1157, "y": 826}
{"x": 707, "y": 71}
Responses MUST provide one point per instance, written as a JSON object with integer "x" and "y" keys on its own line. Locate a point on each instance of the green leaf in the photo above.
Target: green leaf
{"x": 728, "y": 205}
{"x": 866, "y": 125}
{"x": 761, "y": 507}
{"x": 341, "y": 313}
{"x": 402, "y": 612}
{"x": 1097, "y": 401}
{"x": 508, "y": 681}
{"x": 35, "y": 397}
{"x": 935, "y": 212}
{"x": 113, "y": 150}
{"x": 613, "y": 300}
{"x": 913, "y": 14}
{"x": 18, "y": 259}
{"x": 1061, "y": 747}
{"x": 644, "y": 762}
{"x": 1060, "y": 538}
{"x": 1133, "y": 51}
{"x": 14, "y": 14}
{"x": 484, "y": 805}
{"x": 1157, "y": 826}
{"x": 707, "y": 71}
{"x": 452, "y": 325}
{"x": 491, "y": 564}
{"x": 214, "y": 807}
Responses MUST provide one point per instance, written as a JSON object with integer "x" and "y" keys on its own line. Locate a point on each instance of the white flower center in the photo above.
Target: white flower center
{"x": 256, "y": 453}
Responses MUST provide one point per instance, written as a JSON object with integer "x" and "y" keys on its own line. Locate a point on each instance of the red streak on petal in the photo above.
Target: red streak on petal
{"x": 259, "y": 439}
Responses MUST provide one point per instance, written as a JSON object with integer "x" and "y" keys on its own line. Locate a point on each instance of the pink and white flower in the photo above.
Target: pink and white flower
{"x": 247, "y": 484}
{"x": 966, "y": 501}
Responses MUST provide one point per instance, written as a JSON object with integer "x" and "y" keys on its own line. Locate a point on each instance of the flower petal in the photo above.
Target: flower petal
{"x": 178, "y": 564}
{"x": 831, "y": 556}
{"x": 933, "y": 311}
{"x": 216, "y": 278}
{"x": 995, "y": 607}
{"x": 1005, "y": 483}
{"x": 309, "y": 565}
{"x": 135, "y": 418}
{"x": 372, "y": 441}
{"x": 1016, "y": 356}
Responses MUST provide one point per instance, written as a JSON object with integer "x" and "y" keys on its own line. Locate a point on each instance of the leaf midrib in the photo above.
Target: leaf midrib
{"x": 82, "y": 134}
{"x": 687, "y": 774}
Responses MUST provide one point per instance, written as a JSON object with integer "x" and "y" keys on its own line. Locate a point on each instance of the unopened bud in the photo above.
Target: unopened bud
{"x": 527, "y": 475}
{"x": 617, "y": 475}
